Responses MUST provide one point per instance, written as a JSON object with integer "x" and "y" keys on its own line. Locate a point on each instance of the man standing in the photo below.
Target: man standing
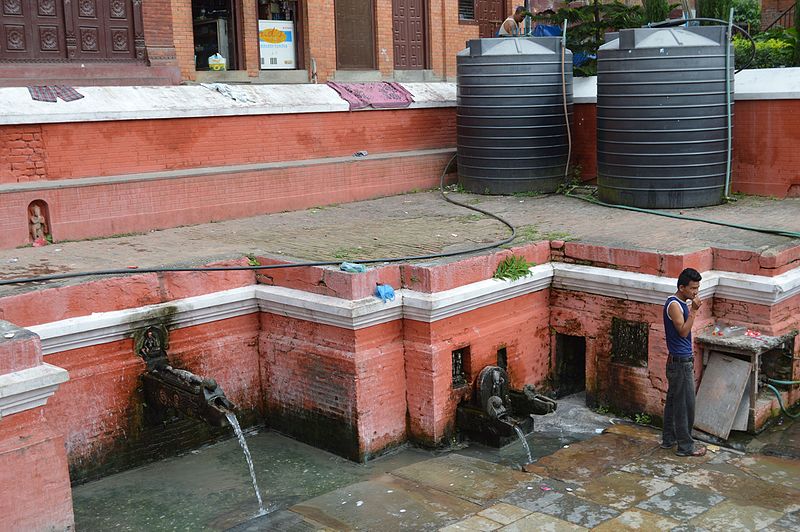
{"x": 511, "y": 28}
{"x": 680, "y": 310}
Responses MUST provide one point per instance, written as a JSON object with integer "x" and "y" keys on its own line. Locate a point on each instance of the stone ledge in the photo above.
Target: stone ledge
{"x": 106, "y": 327}
{"x": 29, "y": 388}
{"x": 211, "y": 170}
{"x": 195, "y": 101}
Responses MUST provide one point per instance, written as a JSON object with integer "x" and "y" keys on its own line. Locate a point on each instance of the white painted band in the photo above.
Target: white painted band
{"x": 106, "y": 327}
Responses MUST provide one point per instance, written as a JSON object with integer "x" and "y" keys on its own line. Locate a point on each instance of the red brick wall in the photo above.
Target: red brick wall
{"x": 158, "y": 36}
{"x": 384, "y": 37}
{"x": 633, "y": 389}
{"x": 81, "y": 212}
{"x": 183, "y": 33}
{"x": 334, "y": 388}
{"x": 97, "y": 409}
{"x": 90, "y": 149}
{"x": 448, "y": 36}
{"x": 22, "y": 154}
{"x": 765, "y": 154}
{"x": 33, "y": 472}
{"x": 320, "y": 38}
{"x": 584, "y": 139}
{"x": 771, "y": 9}
{"x": 520, "y": 325}
{"x": 765, "y": 137}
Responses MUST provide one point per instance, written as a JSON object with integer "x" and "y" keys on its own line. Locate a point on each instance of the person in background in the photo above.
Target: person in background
{"x": 511, "y": 26}
{"x": 680, "y": 310}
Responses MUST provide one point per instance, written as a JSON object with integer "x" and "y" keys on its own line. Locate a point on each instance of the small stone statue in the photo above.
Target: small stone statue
{"x": 497, "y": 383}
{"x": 38, "y": 224}
{"x": 151, "y": 346}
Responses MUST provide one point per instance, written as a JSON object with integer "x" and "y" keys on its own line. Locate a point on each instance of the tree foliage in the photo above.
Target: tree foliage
{"x": 587, "y": 25}
{"x": 656, "y": 10}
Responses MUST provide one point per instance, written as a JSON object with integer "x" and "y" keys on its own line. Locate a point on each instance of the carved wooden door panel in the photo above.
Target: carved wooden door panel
{"x": 60, "y": 30}
{"x": 32, "y": 29}
{"x": 490, "y": 14}
{"x": 355, "y": 34}
{"x": 408, "y": 28}
{"x": 102, "y": 29}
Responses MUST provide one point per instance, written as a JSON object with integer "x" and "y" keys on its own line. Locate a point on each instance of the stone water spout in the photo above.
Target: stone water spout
{"x": 168, "y": 390}
{"x": 496, "y": 415}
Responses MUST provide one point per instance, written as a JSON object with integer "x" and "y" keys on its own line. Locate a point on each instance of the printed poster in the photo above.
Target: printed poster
{"x": 276, "y": 44}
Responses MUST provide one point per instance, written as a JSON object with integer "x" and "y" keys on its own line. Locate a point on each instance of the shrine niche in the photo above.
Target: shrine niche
{"x": 39, "y": 223}
{"x": 64, "y": 30}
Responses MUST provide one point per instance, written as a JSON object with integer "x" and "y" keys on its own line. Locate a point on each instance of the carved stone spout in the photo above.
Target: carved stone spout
{"x": 167, "y": 389}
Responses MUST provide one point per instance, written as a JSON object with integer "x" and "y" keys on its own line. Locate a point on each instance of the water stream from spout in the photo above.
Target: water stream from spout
{"x": 524, "y": 443}
{"x": 240, "y": 435}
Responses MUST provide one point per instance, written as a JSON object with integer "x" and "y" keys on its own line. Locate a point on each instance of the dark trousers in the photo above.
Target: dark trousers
{"x": 679, "y": 408}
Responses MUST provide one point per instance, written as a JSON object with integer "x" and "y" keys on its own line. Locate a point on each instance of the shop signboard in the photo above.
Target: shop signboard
{"x": 276, "y": 44}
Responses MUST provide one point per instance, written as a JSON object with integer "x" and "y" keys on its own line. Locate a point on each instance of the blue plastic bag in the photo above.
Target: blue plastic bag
{"x": 385, "y": 292}
{"x": 543, "y": 30}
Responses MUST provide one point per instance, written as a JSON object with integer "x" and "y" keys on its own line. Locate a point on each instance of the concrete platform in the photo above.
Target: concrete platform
{"x": 420, "y": 223}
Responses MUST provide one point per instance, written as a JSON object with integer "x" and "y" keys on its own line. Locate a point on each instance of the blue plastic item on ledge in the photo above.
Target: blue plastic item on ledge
{"x": 385, "y": 292}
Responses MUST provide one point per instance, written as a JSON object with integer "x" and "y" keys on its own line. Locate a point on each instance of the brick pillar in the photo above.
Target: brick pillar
{"x": 320, "y": 37}
{"x": 384, "y": 38}
{"x": 158, "y": 37}
{"x": 250, "y": 36}
{"x": 183, "y": 36}
{"x": 34, "y": 475}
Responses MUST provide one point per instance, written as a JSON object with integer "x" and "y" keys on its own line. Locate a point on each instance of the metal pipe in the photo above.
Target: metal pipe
{"x": 728, "y": 104}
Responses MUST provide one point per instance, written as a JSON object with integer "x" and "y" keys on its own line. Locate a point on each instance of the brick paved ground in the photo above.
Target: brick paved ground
{"x": 411, "y": 224}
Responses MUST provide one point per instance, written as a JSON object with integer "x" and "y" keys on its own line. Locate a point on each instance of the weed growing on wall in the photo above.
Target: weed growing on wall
{"x": 513, "y": 268}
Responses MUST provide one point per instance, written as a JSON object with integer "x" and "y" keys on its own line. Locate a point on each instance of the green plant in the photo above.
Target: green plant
{"x": 346, "y": 253}
{"x": 747, "y": 14}
{"x": 643, "y": 419}
{"x": 252, "y": 260}
{"x": 655, "y": 10}
{"x": 603, "y": 409}
{"x": 527, "y": 233}
{"x": 513, "y": 268}
{"x": 770, "y": 53}
{"x": 719, "y": 9}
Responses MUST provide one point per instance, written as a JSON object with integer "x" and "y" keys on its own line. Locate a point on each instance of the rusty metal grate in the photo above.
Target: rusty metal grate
{"x": 629, "y": 342}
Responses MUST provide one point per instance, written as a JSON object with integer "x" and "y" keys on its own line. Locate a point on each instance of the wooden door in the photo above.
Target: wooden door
{"x": 103, "y": 29}
{"x": 59, "y": 30}
{"x": 32, "y": 29}
{"x": 409, "y": 31}
{"x": 490, "y": 14}
{"x": 355, "y": 34}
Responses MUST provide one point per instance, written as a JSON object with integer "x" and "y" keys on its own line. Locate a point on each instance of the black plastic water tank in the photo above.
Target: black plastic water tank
{"x": 512, "y": 135}
{"x": 662, "y": 125}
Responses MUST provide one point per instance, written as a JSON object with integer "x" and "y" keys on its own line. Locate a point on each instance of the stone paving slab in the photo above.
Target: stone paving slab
{"x": 464, "y": 476}
{"x": 729, "y": 516}
{"x": 411, "y": 224}
{"x": 588, "y": 459}
{"x": 681, "y": 502}
{"x": 622, "y": 490}
{"x": 386, "y": 503}
{"x": 743, "y": 488}
{"x": 772, "y": 469}
{"x": 503, "y": 513}
{"x": 637, "y": 520}
{"x": 537, "y": 522}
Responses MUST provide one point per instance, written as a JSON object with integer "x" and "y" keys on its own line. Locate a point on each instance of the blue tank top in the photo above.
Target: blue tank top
{"x": 676, "y": 345}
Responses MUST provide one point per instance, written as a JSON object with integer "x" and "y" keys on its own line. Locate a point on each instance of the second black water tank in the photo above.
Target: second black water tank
{"x": 511, "y": 127}
{"x": 662, "y": 125}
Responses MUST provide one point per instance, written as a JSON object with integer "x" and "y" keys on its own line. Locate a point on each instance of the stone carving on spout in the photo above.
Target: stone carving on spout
{"x": 151, "y": 344}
